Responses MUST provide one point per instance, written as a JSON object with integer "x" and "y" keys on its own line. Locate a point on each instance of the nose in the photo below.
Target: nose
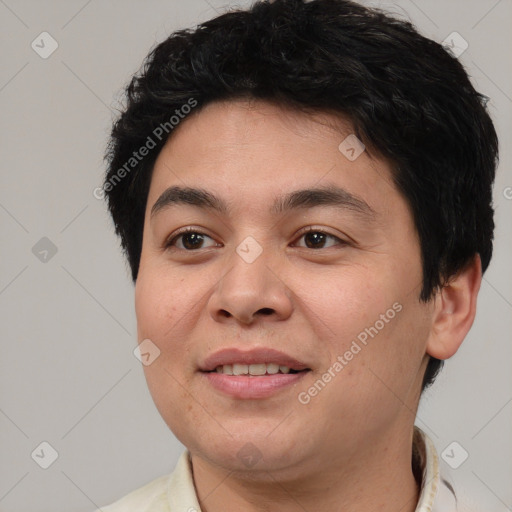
{"x": 251, "y": 291}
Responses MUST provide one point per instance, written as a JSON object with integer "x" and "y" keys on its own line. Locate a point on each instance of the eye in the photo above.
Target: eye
{"x": 191, "y": 239}
{"x": 315, "y": 238}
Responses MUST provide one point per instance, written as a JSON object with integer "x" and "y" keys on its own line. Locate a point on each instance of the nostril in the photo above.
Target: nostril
{"x": 266, "y": 311}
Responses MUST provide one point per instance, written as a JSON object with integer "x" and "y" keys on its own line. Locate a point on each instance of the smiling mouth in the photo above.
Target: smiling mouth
{"x": 254, "y": 380}
{"x": 255, "y": 370}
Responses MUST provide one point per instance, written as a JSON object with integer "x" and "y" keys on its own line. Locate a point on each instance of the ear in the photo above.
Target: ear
{"x": 454, "y": 310}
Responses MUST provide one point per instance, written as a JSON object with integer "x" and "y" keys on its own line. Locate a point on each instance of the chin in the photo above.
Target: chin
{"x": 248, "y": 452}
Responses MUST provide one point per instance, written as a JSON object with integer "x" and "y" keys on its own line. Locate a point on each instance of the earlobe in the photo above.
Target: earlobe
{"x": 454, "y": 311}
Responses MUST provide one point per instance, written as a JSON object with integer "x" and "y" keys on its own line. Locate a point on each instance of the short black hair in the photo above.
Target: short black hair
{"x": 408, "y": 99}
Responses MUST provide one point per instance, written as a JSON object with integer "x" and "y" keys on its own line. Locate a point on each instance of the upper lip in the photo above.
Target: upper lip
{"x": 253, "y": 356}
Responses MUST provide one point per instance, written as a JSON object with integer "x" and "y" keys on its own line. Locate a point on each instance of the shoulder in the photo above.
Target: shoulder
{"x": 167, "y": 493}
{"x": 151, "y": 497}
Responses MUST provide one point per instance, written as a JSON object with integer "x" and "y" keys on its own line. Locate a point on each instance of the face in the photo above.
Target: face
{"x": 298, "y": 256}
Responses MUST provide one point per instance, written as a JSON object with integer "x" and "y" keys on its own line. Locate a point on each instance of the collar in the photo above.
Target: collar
{"x": 436, "y": 494}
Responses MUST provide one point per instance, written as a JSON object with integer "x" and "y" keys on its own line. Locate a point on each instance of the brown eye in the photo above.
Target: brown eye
{"x": 316, "y": 239}
{"x": 188, "y": 240}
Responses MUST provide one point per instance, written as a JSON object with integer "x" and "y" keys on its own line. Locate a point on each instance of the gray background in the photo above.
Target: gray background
{"x": 68, "y": 373}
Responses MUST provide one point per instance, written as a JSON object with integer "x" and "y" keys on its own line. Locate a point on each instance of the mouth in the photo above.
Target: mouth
{"x": 255, "y": 374}
{"x": 257, "y": 361}
{"x": 256, "y": 369}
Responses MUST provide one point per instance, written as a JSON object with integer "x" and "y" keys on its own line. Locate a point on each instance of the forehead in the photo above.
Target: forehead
{"x": 247, "y": 151}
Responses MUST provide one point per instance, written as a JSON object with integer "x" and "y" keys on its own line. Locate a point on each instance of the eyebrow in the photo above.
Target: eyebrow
{"x": 327, "y": 195}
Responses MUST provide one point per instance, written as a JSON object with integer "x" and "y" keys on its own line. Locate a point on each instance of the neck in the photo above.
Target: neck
{"x": 379, "y": 476}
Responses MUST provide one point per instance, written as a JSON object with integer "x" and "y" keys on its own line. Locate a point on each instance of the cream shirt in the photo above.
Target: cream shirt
{"x": 176, "y": 492}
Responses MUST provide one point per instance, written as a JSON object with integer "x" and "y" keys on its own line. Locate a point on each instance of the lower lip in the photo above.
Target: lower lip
{"x": 252, "y": 387}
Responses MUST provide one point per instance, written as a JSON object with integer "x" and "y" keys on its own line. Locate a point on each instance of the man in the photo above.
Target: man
{"x": 304, "y": 194}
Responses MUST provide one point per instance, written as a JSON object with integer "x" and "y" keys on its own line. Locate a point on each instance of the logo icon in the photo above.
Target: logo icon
{"x": 249, "y": 454}
{"x": 454, "y": 455}
{"x": 456, "y": 44}
{"x": 44, "y": 250}
{"x": 249, "y": 249}
{"x": 44, "y": 45}
{"x": 351, "y": 147}
{"x": 44, "y": 455}
{"x": 146, "y": 352}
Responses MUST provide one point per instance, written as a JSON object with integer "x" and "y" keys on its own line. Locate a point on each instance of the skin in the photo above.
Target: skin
{"x": 349, "y": 448}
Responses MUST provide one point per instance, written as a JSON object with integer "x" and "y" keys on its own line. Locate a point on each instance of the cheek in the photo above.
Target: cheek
{"x": 163, "y": 306}
{"x": 345, "y": 302}
{"x": 159, "y": 306}
{"x": 377, "y": 327}
{"x": 168, "y": 306}
{"x": 161, "y": 300}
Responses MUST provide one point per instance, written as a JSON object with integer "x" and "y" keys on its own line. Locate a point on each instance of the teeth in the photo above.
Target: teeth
{"x": 272, "y": 368}
{"x": 252, "y": 369}
{"x": 240, "y": 369}
{"x": 257, "y": 369}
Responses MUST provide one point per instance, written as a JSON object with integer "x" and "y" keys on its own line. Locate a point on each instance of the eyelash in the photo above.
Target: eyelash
{"x": 190, "y": 229}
